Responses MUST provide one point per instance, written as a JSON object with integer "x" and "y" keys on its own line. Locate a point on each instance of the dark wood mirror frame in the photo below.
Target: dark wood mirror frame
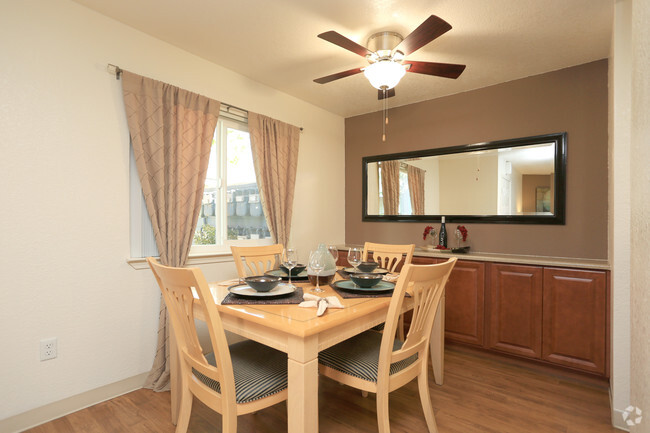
{"x": 558, "y": 216}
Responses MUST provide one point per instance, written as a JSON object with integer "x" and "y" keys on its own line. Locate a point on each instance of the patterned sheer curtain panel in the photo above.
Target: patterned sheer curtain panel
{"x": 416, "y": 188}
{"x": 171, "y": 133}
{"x": 275, "y": 156}
{"x": 390, "y": 186}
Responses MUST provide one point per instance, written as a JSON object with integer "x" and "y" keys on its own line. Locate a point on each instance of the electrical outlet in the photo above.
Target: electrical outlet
{"x": 48, "y": 349}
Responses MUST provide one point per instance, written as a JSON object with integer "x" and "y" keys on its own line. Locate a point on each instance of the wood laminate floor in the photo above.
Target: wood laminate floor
{"x": 482, "y": 393}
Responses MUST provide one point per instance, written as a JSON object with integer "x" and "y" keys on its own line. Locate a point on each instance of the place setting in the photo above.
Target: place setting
{"x": 363, "y": 279}
{"x": 290, "y": 269}
{"x": 271, "y": 287}
{"x": 263, "y": 289}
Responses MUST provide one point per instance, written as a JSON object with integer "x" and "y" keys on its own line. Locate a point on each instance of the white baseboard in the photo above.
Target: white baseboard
{"x": 40, "y": 415}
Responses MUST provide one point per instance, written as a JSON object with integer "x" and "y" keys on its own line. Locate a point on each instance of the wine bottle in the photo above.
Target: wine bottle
{"x": 442, "y": 238}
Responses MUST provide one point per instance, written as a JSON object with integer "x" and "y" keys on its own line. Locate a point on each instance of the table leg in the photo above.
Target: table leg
{"x": 437, "y": 343}
{"x": 302, "y": 403}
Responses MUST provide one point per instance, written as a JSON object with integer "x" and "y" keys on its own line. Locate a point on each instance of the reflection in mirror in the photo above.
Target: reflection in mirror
{"x": 494, "y": 182}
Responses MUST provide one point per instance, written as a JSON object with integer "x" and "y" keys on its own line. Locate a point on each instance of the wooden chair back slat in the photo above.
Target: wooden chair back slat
{"x": 256, "y": 260}
{"x": 389, "y": 256}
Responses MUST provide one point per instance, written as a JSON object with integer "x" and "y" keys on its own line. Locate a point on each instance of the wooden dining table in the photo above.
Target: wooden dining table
{"x": 301, "y": 334}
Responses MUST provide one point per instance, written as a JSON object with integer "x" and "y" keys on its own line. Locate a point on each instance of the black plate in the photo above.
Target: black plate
{"x": 348, "y": 285}
{"x": 285, "y": 277}
{"x": 351, "y": 270}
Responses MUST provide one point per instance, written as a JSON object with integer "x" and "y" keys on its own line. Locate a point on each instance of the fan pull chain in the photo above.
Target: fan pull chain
{"x": 383, "y": 130}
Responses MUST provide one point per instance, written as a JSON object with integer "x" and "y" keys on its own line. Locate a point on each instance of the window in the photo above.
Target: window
{"x": 232, "y": 214}
{"x": 231, "y": 211}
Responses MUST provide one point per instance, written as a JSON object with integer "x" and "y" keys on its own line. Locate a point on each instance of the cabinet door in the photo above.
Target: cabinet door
{"x": 575, "y": 312}
{"x": 464, "y": 303}
{"x": 516, "y": 309}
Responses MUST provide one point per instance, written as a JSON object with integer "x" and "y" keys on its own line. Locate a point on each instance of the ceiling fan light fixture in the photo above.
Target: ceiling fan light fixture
{"x": 384, "y": 74}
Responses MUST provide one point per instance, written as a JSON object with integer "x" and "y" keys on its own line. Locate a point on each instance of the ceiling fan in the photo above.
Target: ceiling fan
{"x": 386, "y": 52}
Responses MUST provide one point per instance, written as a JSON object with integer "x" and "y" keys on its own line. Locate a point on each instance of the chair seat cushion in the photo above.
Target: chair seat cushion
{"x": 259, "y": 370}
{"x": 359, "y": 356}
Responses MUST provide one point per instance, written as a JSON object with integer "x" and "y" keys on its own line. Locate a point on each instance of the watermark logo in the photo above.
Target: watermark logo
{"x": 632, "y": 415}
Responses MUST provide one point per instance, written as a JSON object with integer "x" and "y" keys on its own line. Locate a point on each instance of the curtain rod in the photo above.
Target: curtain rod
{"x": 117, "y": 71}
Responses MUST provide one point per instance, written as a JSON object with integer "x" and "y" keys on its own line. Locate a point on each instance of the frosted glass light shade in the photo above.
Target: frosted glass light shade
{"x": 384, "y": 73}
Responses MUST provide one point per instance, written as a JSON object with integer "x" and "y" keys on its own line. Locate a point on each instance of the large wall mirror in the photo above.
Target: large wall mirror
{"x": 518, "y": 181}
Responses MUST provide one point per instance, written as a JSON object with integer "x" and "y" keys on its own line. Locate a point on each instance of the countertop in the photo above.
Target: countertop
{"x": 566, "y": 262}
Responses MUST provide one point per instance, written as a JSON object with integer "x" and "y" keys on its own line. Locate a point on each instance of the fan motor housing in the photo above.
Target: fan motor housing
{"x": 383, "y": 43}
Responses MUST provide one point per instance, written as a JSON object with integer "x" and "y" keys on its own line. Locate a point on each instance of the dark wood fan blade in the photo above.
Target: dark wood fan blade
{"x": 343, "y": 42}
{"x": 327, "y": 79}
{"x": 447, "y": 70}
{"x": 389, "y": 94}
{"x": 429, "y": 30}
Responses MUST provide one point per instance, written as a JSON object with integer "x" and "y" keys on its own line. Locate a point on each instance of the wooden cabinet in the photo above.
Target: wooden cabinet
{"x": 464, "y": 300}
{"x": 464, "y": 303}
{"x": 557, "y": 315}
{"x": 515, "y": 318}
{"x": 575, "y": 318}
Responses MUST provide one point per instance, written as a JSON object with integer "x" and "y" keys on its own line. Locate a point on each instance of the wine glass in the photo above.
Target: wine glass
{"x": 317, "y": 264}
{"x": 290, "y": 260}
{"x": 354, "y": 257}
{"x": 334, "y": 251}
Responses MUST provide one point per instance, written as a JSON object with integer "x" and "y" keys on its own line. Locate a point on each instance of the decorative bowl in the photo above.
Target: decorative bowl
{"x": 367, "y": 266}
{"x": 366, "y": 280}
{"x": 295, "y": 270}
{"x": 262, "y": 283}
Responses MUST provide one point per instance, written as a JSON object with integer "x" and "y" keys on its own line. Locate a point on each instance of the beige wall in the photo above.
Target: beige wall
{"x": 572, "y": 100}
{"x": 640, "y": 211}
{"x": 619, "y": 232}
{"x": 64, "y": 213}
{"x": 480, "y": 187}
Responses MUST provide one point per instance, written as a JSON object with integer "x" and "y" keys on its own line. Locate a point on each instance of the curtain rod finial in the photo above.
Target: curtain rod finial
{"x": 115, "y": 70}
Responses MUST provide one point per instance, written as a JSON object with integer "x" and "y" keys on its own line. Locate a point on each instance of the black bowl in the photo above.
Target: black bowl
{"x": 262, "y": 283}
{"x": 367, "y": 266}
{"x": 366, "y": 280}
{"x": 295, "y": 270}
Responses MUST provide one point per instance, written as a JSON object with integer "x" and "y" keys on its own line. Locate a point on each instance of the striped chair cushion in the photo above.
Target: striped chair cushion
{"x": 359, "y": 356}
{"x": 259, "y": 371}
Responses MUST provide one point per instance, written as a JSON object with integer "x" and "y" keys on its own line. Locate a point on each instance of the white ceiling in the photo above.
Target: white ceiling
{"x": 275, "y": 41}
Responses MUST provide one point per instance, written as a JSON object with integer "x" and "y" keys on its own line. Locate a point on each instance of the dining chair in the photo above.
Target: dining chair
{"x": 257, "y": 260}
{"x": 379, "y": 363}
{"x": 387, "y": 255}
{"x": 232, "y": 380}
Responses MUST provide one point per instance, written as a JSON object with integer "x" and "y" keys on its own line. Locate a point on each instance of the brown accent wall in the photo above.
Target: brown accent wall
{"x": 572, "y": 100}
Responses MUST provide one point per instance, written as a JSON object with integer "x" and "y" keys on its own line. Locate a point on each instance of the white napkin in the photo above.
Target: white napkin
{"x": 320, "y": 303}
{"x": 391, "y": 277}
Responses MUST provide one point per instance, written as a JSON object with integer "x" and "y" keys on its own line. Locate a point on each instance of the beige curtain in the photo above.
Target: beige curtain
{"x": 390, "y": 186}
{"x": 171, "y": 133}
{"x": 416, "y": 188}
{"x": 275, "y": 156}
